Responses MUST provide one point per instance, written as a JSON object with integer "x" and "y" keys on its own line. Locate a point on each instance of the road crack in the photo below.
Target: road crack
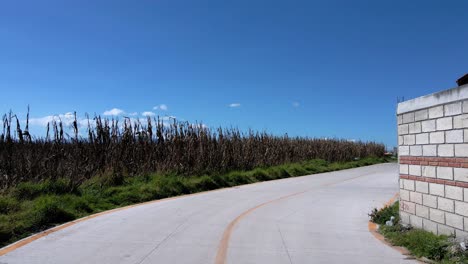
{"x": 166, "y": 238}
{"x": 284, "y": 243}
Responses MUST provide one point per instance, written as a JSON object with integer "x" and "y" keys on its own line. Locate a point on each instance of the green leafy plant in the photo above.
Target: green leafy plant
{"x": 383, "y": 215}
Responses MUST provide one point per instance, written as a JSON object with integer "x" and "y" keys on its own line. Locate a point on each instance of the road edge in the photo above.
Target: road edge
{"x": 373, "y": 229}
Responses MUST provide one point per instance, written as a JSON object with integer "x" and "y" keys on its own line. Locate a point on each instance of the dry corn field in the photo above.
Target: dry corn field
{"x": 124, "y": 148}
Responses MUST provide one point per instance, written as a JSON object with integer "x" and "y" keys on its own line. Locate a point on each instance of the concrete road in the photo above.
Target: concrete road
{"x": 320, "y": 218}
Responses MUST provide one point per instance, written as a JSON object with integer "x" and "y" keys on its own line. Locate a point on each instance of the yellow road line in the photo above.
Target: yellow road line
{"x": 34, "y": 237}
{"x": 221, "y": 254}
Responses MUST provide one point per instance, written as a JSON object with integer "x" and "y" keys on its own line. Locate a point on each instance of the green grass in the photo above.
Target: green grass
{"x": 31, "y": 207}
{"x": 438, "y": 248}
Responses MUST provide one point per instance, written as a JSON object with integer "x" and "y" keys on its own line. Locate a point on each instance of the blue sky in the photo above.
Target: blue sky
{"x": 306, "y": 68}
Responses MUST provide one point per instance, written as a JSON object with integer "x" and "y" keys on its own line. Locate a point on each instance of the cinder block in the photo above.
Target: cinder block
{"x": 422, "y": 187}
{"x": 437, "y": 215}
{"x": 465, "y": 194}
{"x": 460, "y": 174}
{"x": 465, "y": 135}
{"x": 454, "y": 192}
{"x": 445, "y": 230}
{"x": 453, "y": 136}
{"x": 403, "y": 150}
{"x": 415, "y": 170}
{"x": 446, "y": 204}
{"x": 436, "y": 189}
{"x": 428, "y": 125}
{"x": 416, "y": 221}
{"x": 401, "y": 184}
{"x": 404, "y": 195}
{"x": 409, "y": 139}
{"x": 461, "y": 208}
{"x": 437, "y": 111}
{"x": 403, "y": 129}
{"x": 461, "y": 150}
{"x": 445, "y": 150}
{"x": 422, "y": 211}
{"x": 416, "y": 197}
{"x": 460, "y": 235}
{"x": 408, "y": 117}
{"x": 465, "y": 106}
{"x": 416, "y": 151}
{"x": 460, "y": 121}
{"x": 453, "y": 109}
{"x": 465, "y": 222}
{"x": 414, "y": 127}
{"x": 423, "y": 138}
{"x": 454, "y": 220}
{"x": 404, "y": 218}
{"x": 408, "y": 207}
{"x": 421, "y": 115}
{"x": 408, "y": 185}
{"x": 400, "y": 140}
{"x": 404, "y": 169}
{"x": 429, "y": 150}
{"x": 428, "y": 171}
{"x": 400, "y": 119}
{"x": 429, "y": 200}
{"x": 444, "y": 123}
{"x": 430, "y": 226}
{"x": 445, "y": 173}
{"x": 437, "y": 137}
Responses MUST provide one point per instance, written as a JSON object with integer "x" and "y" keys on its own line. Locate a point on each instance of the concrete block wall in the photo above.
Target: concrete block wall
{"x": 433, "y": 161}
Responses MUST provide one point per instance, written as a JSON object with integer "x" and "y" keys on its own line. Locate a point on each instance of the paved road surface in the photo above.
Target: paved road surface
{"x": 320, "y": 218}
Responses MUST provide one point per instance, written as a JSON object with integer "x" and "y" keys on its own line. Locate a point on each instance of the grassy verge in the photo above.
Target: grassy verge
{"x": 439, "y": 249}
{"x": 32, "y": 207}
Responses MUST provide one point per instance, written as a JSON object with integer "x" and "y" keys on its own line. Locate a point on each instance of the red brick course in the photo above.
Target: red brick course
{"x": 435, "y": 161}
{"x": 434, "y": 180}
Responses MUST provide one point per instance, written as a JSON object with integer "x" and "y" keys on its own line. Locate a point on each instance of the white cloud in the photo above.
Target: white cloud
{"x": 67, "y": 119}
{"x": 114, "y": 112}
{"x": 148, "y": 114}
{"x": 296, "y": 104}
{"x": 234, "y": 105}
{"x": 68, "y": 115}
{"x": 162, "y": 107}
{"x": 41, "y": 121}
{"x": 133, "y": 114}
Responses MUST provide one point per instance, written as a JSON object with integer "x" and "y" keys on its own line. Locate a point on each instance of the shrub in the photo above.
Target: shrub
{"x": 296, "y": 170}
{"x": 260, "y": 174}
{"x": 206, "y": 183}
{"x": 27, "y": 190}
{"x": 6, "y": 229}
{"x": 383, "y": 215}
{"x": 8, "y": 205}
{"x": 49, "y": 210}
{"x": 30, "y": 190}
